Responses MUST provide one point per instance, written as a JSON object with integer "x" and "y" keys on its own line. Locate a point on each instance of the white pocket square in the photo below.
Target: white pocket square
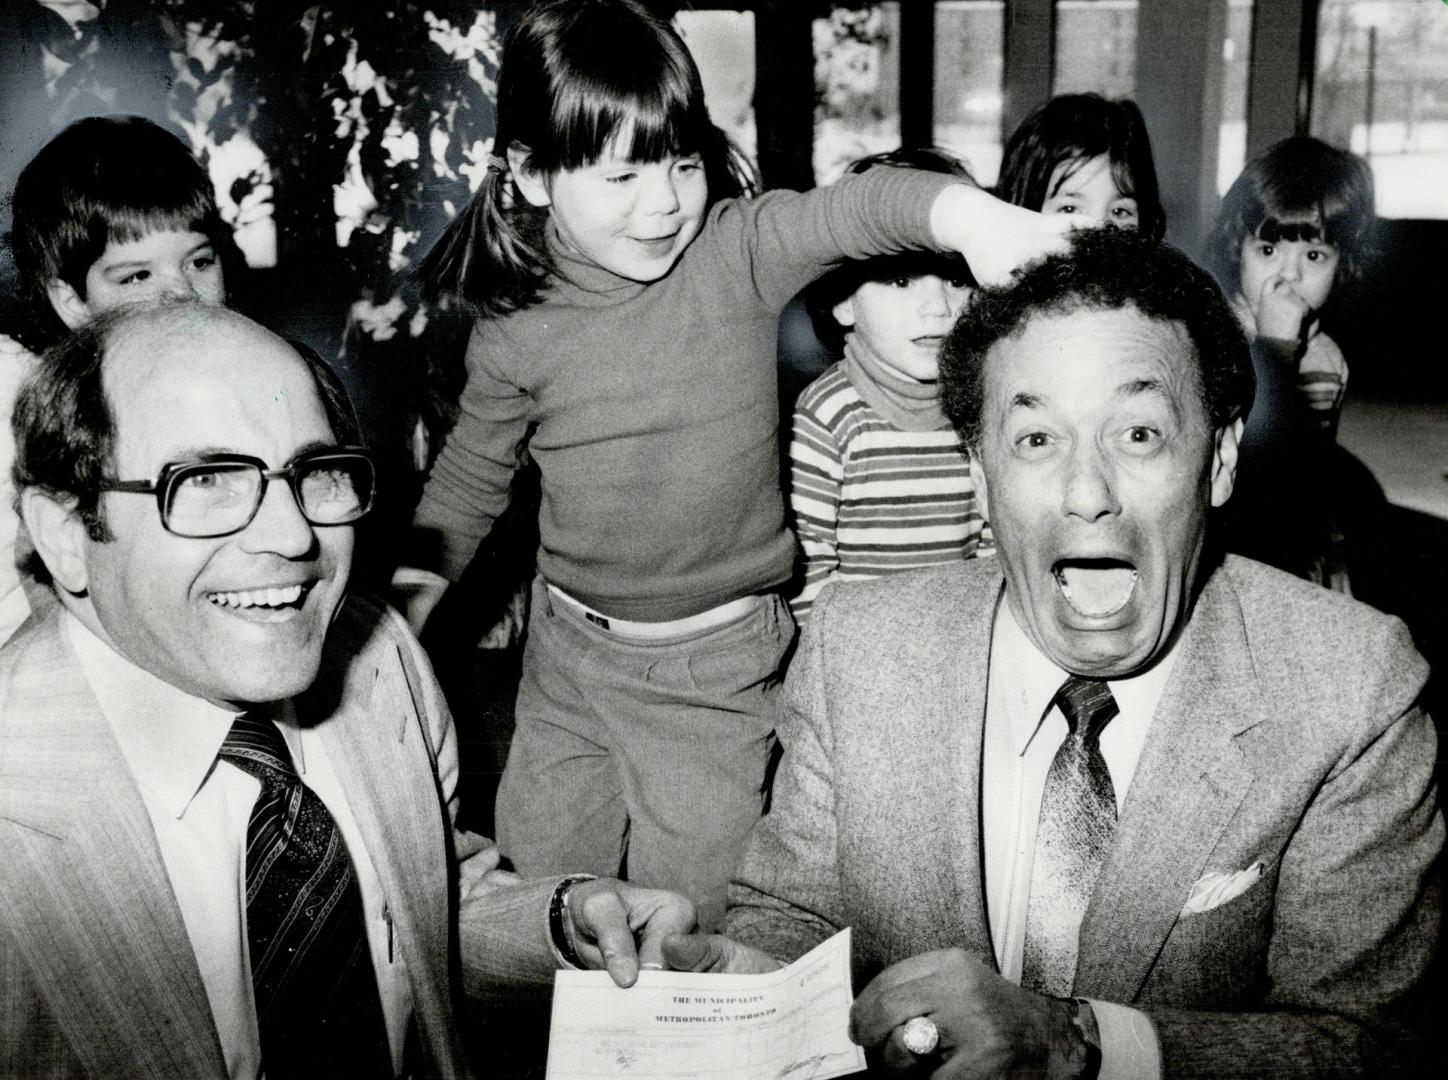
{"x": 1216, "y": 888}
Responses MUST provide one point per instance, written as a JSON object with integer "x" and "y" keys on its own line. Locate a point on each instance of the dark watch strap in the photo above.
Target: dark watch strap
{"x": 557, "y": 920}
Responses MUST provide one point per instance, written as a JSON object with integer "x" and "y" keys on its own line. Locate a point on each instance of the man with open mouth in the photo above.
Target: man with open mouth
{"x": 227, "y": 789}
{"x": 1112, "y": 803}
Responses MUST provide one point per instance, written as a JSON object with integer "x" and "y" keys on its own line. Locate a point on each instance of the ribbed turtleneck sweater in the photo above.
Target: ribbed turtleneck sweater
{"x": 656, "y": 406}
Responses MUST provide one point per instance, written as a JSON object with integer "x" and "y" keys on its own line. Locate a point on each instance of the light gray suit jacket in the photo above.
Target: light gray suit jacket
{"x": 1288, "y": 734}
{"x": 97, "y": 974}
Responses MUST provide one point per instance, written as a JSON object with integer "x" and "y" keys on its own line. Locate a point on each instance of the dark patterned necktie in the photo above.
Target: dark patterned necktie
{"x": 1078, "y": 817}
{"x": 317, "y": 1005}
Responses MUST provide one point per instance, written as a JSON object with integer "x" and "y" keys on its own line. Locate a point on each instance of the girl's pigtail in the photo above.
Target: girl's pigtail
{"x": 728, "y": 170}
{"x": 485, "y": 260}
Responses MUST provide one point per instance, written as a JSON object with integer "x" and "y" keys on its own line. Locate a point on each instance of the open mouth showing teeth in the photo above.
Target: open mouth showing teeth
{"x": 1096, "y": 587}
{"x": 290, "y": 596}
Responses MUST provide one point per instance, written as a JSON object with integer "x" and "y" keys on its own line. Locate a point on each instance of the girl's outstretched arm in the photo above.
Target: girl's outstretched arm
{"x": 995, "y": 237}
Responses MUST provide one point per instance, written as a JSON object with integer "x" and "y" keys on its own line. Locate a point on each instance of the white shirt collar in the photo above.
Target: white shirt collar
{"x": 169, "y": 738}
{"x": 1036, "y": 678}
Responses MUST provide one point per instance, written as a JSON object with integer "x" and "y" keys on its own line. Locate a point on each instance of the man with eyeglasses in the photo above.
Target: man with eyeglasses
{"x": 227, "y": 789}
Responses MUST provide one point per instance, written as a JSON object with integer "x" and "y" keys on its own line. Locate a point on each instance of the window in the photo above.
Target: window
{"x": 1382, "y": 91}
{"x": 857, "y": 80}
{"x": 722, "y": 44}
{"x": 969, "y": 44}
{"x": 1095, "y": 47}
{"x": 1236, "y": 56}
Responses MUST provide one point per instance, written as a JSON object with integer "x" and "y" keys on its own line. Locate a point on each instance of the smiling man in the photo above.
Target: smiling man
{"x": 227, "y": 789}
{"x": 1111, "y": 804}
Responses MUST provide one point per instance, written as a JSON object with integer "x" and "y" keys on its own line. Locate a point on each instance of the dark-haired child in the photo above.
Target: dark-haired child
{"x": 1086, "y": 156}
{"x": 630, "y": 313}
{"x": 113, "y": 210}
{"x": 878, "y": 481}
{"x": 1292, "y": 229}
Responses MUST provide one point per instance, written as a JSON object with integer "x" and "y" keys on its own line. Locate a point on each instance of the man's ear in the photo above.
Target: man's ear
{"x": 66, "y": 302}
{"x": 844, "y": 311}
{"x": 59, "y": 537}
{"x": 1224, "y": 461}
{"x": 977, "y": 476}
{"x": 531, "y": 182}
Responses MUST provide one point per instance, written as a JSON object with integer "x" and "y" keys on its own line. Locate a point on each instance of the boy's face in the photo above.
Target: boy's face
{"x": 168, "y": 263}
{"x": 903, "y": 320}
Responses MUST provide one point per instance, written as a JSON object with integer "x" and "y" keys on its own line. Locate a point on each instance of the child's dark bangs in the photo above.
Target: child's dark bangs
{"x": 136, "y": 202}
{"x": 658, "y": 116}
{"x": 125, "y": 224}
{"x": 1307, "y": 226}
{"x": 914, "y": 264}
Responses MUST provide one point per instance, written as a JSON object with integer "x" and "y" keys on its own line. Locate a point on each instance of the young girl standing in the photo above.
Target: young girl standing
{"x": 627, "y": 329}
{"x": 1088, "y": 157}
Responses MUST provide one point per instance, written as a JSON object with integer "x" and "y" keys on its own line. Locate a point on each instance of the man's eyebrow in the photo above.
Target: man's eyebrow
{"x": 1155, "y": 387}
{"x": 197, "y": 453}
{"x": 1141, "y": 386}
{"x": 1023, "y": 400}
{"x": 194, "y": 453}
{"x": 316, "y": 444}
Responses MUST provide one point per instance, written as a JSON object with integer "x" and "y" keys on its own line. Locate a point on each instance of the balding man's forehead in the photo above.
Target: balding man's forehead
{"x": 186, "y": 336}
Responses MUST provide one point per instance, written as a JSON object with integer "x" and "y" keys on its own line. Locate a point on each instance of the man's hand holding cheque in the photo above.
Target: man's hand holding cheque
{"x": 621, "y": 927}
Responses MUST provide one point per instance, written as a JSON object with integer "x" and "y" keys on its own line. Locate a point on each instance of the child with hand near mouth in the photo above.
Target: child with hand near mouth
{"x": 878, "y": 482}
{"x": 1292, "y": 231}
{"x": 1292, "y": 228}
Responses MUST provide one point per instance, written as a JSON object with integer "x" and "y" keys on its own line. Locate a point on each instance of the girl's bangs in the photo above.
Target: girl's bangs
{"x": 1329, "y": 220}
{"x": 1306, "y": 226}
{"x": 657, "y": 117}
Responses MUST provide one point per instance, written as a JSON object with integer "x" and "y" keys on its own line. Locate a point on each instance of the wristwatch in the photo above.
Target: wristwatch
{"x": 560, "y": 926}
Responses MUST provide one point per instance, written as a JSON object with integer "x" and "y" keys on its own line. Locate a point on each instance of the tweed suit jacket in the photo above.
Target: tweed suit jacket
{"x": 97, "y": 974}
{"x": 1287, "y": 734}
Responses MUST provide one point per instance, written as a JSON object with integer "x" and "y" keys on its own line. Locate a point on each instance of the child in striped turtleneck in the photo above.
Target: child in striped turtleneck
{"x": 879, "y": 483}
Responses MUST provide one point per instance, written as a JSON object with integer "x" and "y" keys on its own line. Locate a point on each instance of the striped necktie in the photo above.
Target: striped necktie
{"x": 317, "y": 1005}
{"x": 1078, "y": 818}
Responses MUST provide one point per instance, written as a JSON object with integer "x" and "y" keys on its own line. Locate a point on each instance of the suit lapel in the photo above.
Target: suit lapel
{"x": 85, "y": 892}
{"x": 966, "y": 727}
{"x": 1191, "y": 779}
{"x": 377, "y": 743}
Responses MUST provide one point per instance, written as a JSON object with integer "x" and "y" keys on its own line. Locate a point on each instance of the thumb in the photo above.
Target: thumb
{"x": 692, "y": 952}
{"x": 605, "y": 919}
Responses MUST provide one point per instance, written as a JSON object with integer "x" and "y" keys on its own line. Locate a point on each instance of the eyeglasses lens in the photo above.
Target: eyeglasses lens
{"x": 213, "y": 499}
{"x": 334, "y": 490}
{"x": 217, "y": 498}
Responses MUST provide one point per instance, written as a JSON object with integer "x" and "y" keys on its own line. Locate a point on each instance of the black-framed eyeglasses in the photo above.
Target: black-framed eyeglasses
{"x": 219, "y": 494}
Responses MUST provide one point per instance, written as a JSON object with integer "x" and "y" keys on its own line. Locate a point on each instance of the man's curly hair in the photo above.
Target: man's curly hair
{"x": 1104, "y": 269}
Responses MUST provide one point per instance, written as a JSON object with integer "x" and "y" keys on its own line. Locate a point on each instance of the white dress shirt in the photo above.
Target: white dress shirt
{"x": 200, "y": 807}
{"x": 1023, "y": 731}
